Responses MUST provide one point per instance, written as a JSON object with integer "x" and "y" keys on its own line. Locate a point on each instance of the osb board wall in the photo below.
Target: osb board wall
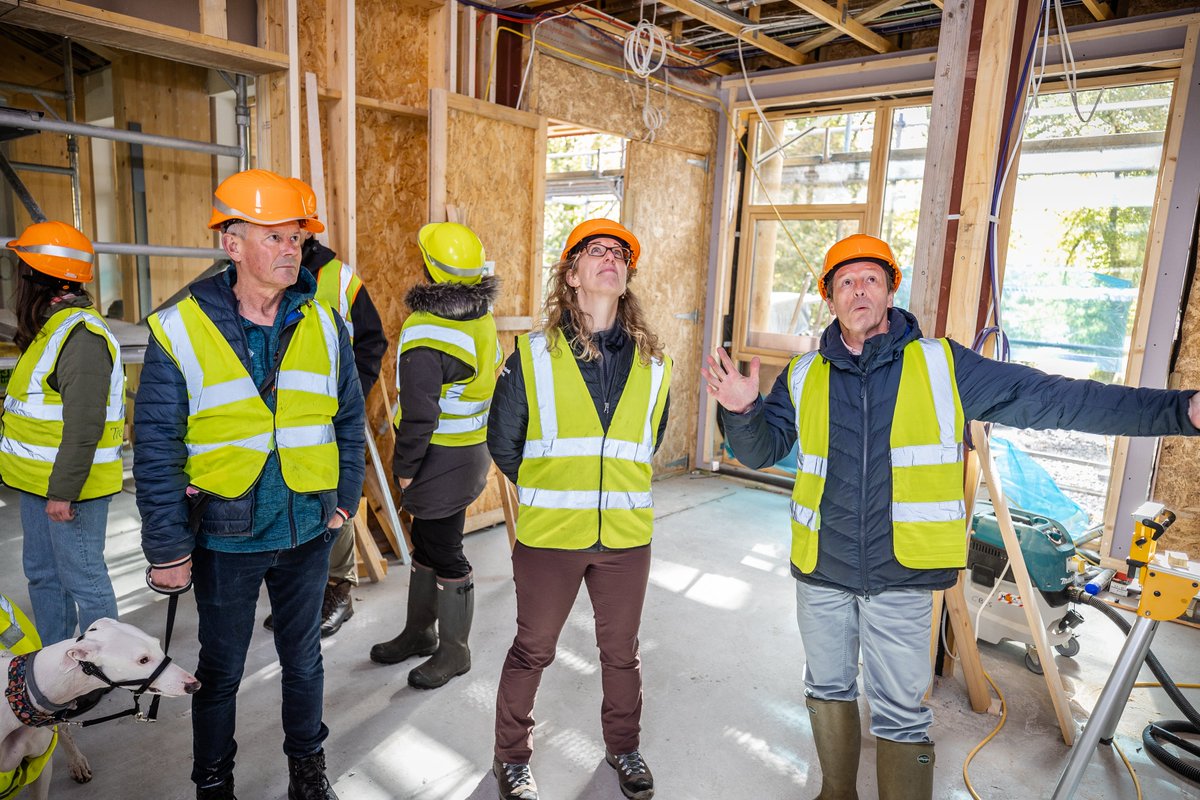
{"x": 490, "y": 171}
{"x": 393, "y": 48}
{"x": 1174, "y": 482}
{"x": 564, "y": 91}
{"x": 392, "y": 191}
{"x": 170, "y": 99}
{"x": 311, "y": 32}
{"x": 667, "y": 208}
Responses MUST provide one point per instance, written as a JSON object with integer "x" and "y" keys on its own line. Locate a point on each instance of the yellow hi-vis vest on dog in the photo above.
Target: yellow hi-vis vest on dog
{"x": 577, "y": 483}
{"x": 464, "y": 405}
{"x": 338, "y": 288}
{"x": 928, "y": 514}
{"x": 19, "y": 637}
{"x": 230, "y": 429}
{"x": 33, "y": 412}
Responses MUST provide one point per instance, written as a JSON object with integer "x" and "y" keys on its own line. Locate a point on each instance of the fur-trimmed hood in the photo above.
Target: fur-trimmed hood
{"x": 457, "y": 301}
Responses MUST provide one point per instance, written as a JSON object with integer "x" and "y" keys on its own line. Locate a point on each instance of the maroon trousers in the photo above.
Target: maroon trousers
{"x": 547, "y": 584}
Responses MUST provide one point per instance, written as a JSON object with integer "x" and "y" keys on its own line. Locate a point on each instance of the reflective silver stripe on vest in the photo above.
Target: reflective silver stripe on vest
{"x": 324, "y": 383}
{"x": 948, "y": 450}
{"x": 657, "y": 371}
{"x": 464, "y": 425}
{"x": 582, "y": 501}
{"x": 449, "y": 336}
{"x": 34, "y": 452}
{"x": 200, "y": 397}
{"x": 305, "y": 436}
{"x": 589, "y": 447}
{"x": 805, "y": 515}
{"x": 13, "y": 633}
{"x": 36, "y": 407}
{"x": 463, "y": 408}
{"x": 260, "y": 443}
{"x": 57, "y": 250}
{"x": 944, "y": 511}
{"x": 805, "y": 462}
{"x": 459, "y": 271}
{"x": 345, "y": 275}
{"x": 543, "y": 384}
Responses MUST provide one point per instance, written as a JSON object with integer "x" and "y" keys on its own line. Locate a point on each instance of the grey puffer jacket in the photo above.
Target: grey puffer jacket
{"x": 855, "y": 541}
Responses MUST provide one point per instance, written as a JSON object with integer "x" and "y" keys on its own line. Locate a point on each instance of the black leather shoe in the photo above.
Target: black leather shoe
{"x": 337, "y": 607}
{"x": 306, "y": 778}
{"x": 636, "y": 781}
{"x": 515, "y": 781}
{"x": 269, "y": 622}
{"x": 222, "y": 791}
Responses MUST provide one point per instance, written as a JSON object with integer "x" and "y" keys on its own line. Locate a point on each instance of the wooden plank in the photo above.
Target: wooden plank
{"x": 79, "y": 21}
{"x": 316, "y": 156}
{"x": 1100, "y": 10}
{"x": 481, "y": 108}
{"x": 438, "y": 76}
{"x": 213, "y": 21}
{"x": 940, "y": 156}
{"x": 849, "y": 26}
{"x": 399, "y": 109}
{"x": 1016, "y": 560}
{"x": 439, "y": 113}
{"x": 370, "y": 562}
{"x": 866, "y": 15}
{"x": 514, "y": 323}
{"x": 736, "y": 25}
{"x": 983, "y": 143}
{"x": 342, "y": 185}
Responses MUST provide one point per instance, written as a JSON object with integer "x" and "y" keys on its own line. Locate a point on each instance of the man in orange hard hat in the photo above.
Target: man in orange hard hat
{"x": 248, "y": 458}
{"x": 878, "y": 512}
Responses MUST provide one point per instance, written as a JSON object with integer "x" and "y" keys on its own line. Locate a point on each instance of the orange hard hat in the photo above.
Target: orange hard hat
{"x": 603, "y": 227}
{"x": 57, "y": 249}
{"x": 858, "y": 247}
{"x": 307, "y": 196}
{"x": 262, "y": 197}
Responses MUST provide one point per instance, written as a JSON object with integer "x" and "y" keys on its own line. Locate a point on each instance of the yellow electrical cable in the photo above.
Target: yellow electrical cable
{"x": 1152, "y": 684}
{"x": 679, "y": 90}
{"x": 1137, "y": 784}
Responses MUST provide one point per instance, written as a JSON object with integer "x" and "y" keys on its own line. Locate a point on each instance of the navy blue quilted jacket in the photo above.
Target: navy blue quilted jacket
{"x": 160, "y": 422}
{"x": 855, "y": 540}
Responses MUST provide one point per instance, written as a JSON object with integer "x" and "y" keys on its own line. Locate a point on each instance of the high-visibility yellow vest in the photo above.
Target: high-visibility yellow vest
{"x": 578, "y": 484}
{"x": 338, "y": 288}
{"x": 928, "y": 512}
{"x": 18, "y": 637}
{"x": 230, "y": 429}
{"x": 33, "y": 412}
{"x": 464, "y": 405}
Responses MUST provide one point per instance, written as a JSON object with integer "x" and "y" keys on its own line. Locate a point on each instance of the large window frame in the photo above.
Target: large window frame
{"x": 778, "y": 348}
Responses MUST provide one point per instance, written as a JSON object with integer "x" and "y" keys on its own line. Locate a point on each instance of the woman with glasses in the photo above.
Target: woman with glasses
{"x": 577, "y": 416}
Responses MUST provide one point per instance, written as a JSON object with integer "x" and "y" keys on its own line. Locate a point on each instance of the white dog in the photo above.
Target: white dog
{"x": 48, "y": 680}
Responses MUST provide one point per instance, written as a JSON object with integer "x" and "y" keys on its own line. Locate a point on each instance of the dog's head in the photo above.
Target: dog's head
{"x": 126, "y": 653}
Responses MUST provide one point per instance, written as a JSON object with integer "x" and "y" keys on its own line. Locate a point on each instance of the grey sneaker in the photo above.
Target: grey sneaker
{"x": 637, "y": 783}
{"x": 515, "y": 781}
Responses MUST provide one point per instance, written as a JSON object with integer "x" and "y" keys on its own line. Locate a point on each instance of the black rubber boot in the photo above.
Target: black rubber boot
{"x": 419, "y": 637}
{"x": 306, "y": 778}
{"x": 456, "y": 606}
{"x": 337, "y": 607}
{"x": 222, "y": 791}
{"x": 838, "y": 735}
{"x": 904, "y": 770}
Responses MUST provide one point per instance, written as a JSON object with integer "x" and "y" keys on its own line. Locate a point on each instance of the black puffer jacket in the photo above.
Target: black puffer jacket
{"x": 855, "y": 541}
{"x": 605, "y": 379}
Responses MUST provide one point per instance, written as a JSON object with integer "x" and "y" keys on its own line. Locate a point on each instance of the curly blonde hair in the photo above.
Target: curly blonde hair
{"x": 563, "y": 304}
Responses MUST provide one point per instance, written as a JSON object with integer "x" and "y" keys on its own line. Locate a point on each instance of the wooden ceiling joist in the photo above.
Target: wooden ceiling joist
{"x": 850, "y": 26}
{"x": 1100, "y": 10}
{"x": 736, "y": 25}
{"x": 866, "y": 15}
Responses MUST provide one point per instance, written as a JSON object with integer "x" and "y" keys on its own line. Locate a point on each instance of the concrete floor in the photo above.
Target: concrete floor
{"x": 723, "y": 665}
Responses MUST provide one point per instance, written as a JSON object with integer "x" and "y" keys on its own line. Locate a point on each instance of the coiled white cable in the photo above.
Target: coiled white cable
{"x": 641, "y": 45}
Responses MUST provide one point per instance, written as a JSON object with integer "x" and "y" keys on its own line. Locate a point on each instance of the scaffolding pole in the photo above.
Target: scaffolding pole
{"x": 21, "y": 190}
{"x": 20, "y": 88}
{"x": 35, "y": 121}
{"x": 72, "y": 141}
{"x": 241, "y": 115}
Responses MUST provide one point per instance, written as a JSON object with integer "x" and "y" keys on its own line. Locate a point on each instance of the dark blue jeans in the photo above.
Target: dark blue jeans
{"x": 227, "y": 587}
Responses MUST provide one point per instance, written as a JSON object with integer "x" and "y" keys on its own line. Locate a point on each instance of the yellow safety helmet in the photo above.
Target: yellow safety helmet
{"x": 452, "y": 252}
{"x": 56, "y": 249}
{"x": 262, "y": 197}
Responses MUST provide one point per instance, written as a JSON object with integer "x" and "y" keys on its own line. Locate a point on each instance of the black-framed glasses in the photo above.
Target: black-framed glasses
{"x": 620, "y": 252}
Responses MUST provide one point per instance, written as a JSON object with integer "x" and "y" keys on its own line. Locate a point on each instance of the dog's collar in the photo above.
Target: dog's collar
{"x": 26, "y": 700}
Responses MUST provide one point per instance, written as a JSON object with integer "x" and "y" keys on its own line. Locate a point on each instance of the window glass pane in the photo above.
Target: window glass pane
{"x": 784, "y": 302}
{"x": 815, "y": 159}
{"x": 902, "y": 190}
{"x": 584, "y": 179}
